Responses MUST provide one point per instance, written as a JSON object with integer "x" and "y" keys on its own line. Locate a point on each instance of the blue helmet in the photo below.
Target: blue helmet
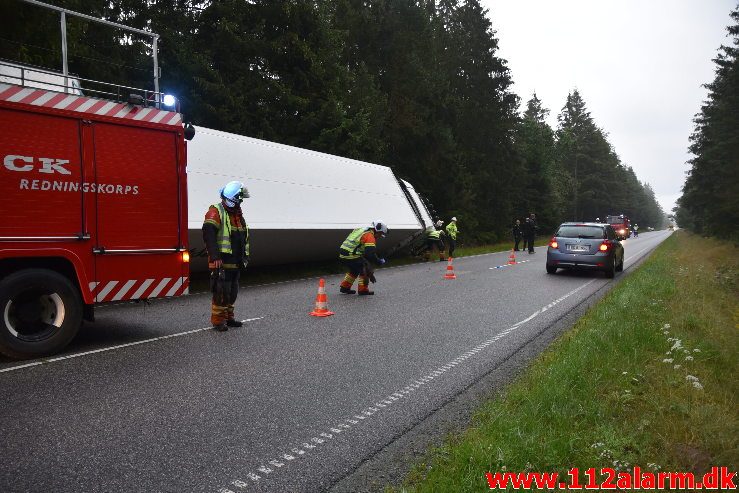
{"x": 233, "y": 193}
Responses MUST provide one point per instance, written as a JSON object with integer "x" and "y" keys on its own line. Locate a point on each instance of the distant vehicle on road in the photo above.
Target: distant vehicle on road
{"x": 586, "y": 246}
{"x": 621, "y": 225}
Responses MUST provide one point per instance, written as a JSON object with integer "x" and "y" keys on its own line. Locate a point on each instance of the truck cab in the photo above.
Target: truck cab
{"x": 621, "y": 225}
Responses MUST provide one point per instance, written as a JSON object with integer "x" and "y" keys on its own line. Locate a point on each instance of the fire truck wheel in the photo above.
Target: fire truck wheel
{"x": 41, "y": 312}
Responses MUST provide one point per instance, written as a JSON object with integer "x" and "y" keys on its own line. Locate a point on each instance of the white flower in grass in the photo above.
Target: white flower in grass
{"x": 688, "y": 358}
{"x": 624, "y": 373}
{"x": 666, "y": 326}
{"x": 667, "y": 360}
{"x": 696, "y": 350}
{"x": 677, "y": 367}
{"x": 698, "y": 385}
{"x": 691, "y": 378}
{"x": 665, "y": 332}
{"x": 597, "y": 445}
{"x": 678, "y": 344}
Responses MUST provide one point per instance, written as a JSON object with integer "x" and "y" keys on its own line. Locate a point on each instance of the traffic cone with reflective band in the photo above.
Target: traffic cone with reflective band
{"x": 449, "y": 270}
{"x": 321, "y": 309}
{"x": 512, "y": 258}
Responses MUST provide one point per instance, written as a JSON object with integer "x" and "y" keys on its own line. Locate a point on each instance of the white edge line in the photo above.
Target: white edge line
{"x": 111, "y": 348}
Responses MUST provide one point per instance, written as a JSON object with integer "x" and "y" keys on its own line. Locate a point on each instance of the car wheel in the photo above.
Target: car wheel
{"x": 611, "y": 272}
{"x": 40, "y": 312}
{"x": 620, "y": 266}
{"x": 551, "y": 269}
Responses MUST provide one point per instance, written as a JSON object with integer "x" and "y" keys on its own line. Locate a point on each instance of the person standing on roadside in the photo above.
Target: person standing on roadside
{"x": 451, "y": 235}
{"x": 534, "y": 230}
{"x": 529, "y": 232}
{"x": 517, "y": 234}
{"x": 226, "y": 237}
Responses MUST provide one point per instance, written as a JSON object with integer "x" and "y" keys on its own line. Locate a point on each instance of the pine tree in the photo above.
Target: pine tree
{"x": 710, "y": 200}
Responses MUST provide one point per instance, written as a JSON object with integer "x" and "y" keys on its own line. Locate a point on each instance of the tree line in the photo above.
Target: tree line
{"x": 710, "y": 201}
{"x": 416, "y": 85}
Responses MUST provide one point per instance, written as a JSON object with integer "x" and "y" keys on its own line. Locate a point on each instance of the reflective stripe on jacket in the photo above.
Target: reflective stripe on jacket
{"x": 353, "y": 247}
{"x": 225, "y": 230}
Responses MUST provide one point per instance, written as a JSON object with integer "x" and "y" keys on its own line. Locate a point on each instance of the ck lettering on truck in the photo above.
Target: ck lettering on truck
{"x": 94, "y": 199}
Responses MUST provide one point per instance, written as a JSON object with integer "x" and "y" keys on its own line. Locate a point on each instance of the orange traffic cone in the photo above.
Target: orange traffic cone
{"x": 449, "y": 270}
{"x": 321, "y": 309}
{"x": 512, "y": 258}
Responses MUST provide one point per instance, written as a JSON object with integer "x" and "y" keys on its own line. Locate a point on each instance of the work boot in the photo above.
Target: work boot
{"x": 366, "y": 293}
{"x": 346, "y": 291}
{"x": 220, "y": 328}
{"x": 232, "y": 322}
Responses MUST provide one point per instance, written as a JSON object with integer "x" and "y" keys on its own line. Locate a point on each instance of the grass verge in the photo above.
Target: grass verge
{"x": 647, "y": 377}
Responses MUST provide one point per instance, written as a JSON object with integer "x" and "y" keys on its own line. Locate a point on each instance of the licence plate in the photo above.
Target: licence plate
{"x": 578, "y": 248}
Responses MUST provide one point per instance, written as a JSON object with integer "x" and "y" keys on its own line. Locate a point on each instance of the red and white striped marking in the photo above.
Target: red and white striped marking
{"x": 82, "y": 104}
{"x": 136, "y": 289}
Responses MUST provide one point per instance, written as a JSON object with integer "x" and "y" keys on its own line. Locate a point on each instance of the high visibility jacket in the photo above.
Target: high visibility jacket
{"x": 226, "y": 228}
{"x": 356, "y": 243}
{"x": 435, "y": 235}
{"x": 451, "y": 230}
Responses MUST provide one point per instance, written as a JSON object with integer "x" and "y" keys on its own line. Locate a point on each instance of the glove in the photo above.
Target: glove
{"x": 245, "y": 262}
{"x": 382, "y": 261}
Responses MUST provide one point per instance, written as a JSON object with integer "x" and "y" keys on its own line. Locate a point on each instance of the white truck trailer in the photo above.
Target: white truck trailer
{"x": 303, "y": 203}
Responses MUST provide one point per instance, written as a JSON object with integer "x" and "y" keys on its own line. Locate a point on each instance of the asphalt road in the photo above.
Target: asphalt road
{"x": 147, "y": 399}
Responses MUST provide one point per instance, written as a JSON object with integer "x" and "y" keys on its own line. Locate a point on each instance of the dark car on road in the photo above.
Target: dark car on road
{"x": 587, "y": 246}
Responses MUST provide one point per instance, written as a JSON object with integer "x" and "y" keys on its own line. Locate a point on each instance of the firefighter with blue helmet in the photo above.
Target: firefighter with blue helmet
{"x": 226, "y": 237}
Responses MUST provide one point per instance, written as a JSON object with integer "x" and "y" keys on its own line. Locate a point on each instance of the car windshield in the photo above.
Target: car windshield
{"x": 615, "y": 220}
{"x": 580, "y": 232}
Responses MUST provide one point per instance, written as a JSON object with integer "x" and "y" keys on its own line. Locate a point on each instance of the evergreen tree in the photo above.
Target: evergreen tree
{"x": 710, "y": 200}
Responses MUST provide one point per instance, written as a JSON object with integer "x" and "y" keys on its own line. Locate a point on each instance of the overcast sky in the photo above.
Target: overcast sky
{"x": 638, "y": 64}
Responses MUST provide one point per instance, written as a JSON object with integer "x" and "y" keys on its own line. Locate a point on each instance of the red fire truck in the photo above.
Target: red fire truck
{"x": 93, "y": 206}
{"x": 621, "y": 224}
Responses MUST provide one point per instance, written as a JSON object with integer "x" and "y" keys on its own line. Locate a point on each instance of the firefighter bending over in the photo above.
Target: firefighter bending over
{"x": 357, "y": 252}
{"x": 435, "y": 242}
{"x": 226, "y": 237}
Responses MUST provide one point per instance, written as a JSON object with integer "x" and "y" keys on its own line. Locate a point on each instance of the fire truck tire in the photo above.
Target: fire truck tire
{"x": 40, "y": 313}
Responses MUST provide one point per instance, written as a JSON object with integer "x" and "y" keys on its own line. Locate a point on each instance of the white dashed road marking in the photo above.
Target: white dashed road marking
{"x": 279, "y": 459}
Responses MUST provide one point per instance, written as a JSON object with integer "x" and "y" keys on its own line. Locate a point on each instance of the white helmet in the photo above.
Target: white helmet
{"x": 454, "y": 218}
{"x": 233, "y": 193}
{"x": 380, "y": 227}
{"x": 439, "y": 223}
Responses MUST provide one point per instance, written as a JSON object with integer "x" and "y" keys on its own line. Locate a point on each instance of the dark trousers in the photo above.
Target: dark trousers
{"x": 432, "y": 245}
{"x": 225, "y": 290}
{"x": 452, "y": 244}
{"x": 530, "y": 241}
{"x": 517, "y": 239}
{"x": 356, "y": 269}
